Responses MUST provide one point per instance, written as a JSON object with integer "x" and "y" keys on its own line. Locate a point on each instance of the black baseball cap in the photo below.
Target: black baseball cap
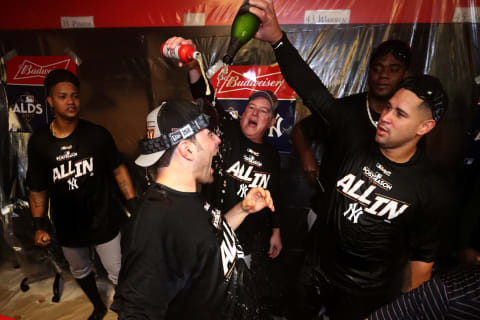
{"x": 399, "y": 49}
{"x": 167, "y": 125}
{"x": 430, "y": 90}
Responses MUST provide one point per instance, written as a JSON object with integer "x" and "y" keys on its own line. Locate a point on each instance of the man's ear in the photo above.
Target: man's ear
{"x": 274, "y": 120}
{"x": 425, "y": 127}
{"x": 186, "y": 149}
{"x": 49, "y": 100}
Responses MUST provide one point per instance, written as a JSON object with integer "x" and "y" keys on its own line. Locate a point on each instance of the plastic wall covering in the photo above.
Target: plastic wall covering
{"x": 123, "y": 76}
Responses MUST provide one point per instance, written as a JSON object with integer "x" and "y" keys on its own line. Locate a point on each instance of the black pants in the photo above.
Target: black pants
{"x": 315, "y": 292}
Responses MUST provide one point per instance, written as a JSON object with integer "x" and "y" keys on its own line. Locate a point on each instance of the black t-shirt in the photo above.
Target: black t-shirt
{"x": 182, "y": 261}
{"x": 380, "y": 213}
{"x": 239, "y": 166}
{"x": 77, "y": 172}
{"x": 315, "y": 129}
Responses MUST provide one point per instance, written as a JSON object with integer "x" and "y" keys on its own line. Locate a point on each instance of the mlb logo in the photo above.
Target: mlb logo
{"x": 28, "y": 98}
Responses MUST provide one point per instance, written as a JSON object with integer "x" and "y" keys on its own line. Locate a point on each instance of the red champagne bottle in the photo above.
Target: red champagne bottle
{"x": 184, "y": 53}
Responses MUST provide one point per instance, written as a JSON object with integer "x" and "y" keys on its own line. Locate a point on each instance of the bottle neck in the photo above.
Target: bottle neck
{"x": 233, "y": 47}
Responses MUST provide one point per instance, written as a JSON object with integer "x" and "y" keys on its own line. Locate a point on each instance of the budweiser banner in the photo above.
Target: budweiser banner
{"x": 234, "y": 89}
{"x": 27, "y": 106}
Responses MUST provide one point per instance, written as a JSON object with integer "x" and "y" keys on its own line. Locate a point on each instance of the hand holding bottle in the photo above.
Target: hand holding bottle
{"x": 185, "y": 51}
{"x": 269, "y": 29}
{"x": 185, "y": 56}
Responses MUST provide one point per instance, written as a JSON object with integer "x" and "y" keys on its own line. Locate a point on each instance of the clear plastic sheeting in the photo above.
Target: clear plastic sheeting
{"x": 123, "y": 74}
{"x": 36, "y": 263}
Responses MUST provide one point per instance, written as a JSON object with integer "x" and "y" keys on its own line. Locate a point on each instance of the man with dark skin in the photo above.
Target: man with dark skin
{"x": 72, "y": 164}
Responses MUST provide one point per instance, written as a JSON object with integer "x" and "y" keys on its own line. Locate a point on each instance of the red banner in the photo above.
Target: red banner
{"x": 241, "y": 81}
{"x": 58, "y": 14}
{"x": 32, "y": 70}
{"x": 27, "y": 104}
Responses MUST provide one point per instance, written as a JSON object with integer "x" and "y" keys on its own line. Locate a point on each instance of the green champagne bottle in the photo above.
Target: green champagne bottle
{"x": 244, "y": 27}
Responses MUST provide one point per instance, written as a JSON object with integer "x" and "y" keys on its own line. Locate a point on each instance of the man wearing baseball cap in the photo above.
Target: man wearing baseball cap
{"x": 388, "y": 207}
{"x": 246, "y": 160}
{"x": 183, "y": 260}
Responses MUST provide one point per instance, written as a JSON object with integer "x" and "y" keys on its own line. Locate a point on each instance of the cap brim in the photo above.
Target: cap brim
{"x": 261, "y": 94}
{"x": 147, "y": 160}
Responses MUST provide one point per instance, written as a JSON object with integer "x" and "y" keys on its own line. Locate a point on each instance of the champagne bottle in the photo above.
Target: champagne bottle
{"x": 184, "y": 53}
{"x": 244, "y": 27}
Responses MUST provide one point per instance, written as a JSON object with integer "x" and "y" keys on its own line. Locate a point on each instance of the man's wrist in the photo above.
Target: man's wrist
{"x": 279, "y": 43}
{"x": 132, "y": 205}
{"x": 39, "y": 223}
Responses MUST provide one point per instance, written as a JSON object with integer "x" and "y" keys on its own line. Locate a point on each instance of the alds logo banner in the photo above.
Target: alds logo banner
{"x": 26, "y": 95}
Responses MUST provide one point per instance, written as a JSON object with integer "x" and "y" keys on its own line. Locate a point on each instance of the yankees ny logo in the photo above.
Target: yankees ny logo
{"x": 242, "y": 192}
{"x": 354, "y": 211}
{"x": 72, "y": 184}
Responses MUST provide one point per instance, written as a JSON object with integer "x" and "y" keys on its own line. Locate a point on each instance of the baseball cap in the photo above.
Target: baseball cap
{"x": 399, "y": 49}
{"x": 430, "y": 90}
{"x": 267, "y": 94}
{"x": 167, "y": 125}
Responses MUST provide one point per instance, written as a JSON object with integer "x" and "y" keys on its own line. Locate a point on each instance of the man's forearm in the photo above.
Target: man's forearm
{"x": 124, "y": 182}
{"x": 300, "y": 143}
{"x": 420, "y": 272}
{"x": 194, "y": 74}
{"x": 302, "y": 79}
{"x": 235, "y": 216}
{"x": 38, "y": 203}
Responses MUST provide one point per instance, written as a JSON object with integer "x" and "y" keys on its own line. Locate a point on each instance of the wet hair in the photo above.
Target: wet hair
{"x": 59, "y": 75}
{"x": 430, "y": 90}
{"x": 399, "y": 49}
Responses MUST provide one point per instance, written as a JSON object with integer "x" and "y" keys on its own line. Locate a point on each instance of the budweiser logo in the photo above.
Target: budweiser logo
{"x": 236, "y": 81}
{"x": 29, "y": 69}
{"x": 241, "y": 81}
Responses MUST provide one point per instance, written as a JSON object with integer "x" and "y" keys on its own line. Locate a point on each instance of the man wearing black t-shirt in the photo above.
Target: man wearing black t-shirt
{"x": 389, "y": 65}
{"x": 387, "y": 208}
{"x": 246, "y": 160}
{"x": 183, "y": 261}
{"x": 72, "y": 164}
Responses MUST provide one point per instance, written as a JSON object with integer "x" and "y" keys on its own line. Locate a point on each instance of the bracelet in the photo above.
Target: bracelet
{"x": 279, "y": 43}
{"x": 39, "y": 223}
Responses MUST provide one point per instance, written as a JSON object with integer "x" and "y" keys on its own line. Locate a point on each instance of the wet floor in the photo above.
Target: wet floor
{"x": 36, "y": 303}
